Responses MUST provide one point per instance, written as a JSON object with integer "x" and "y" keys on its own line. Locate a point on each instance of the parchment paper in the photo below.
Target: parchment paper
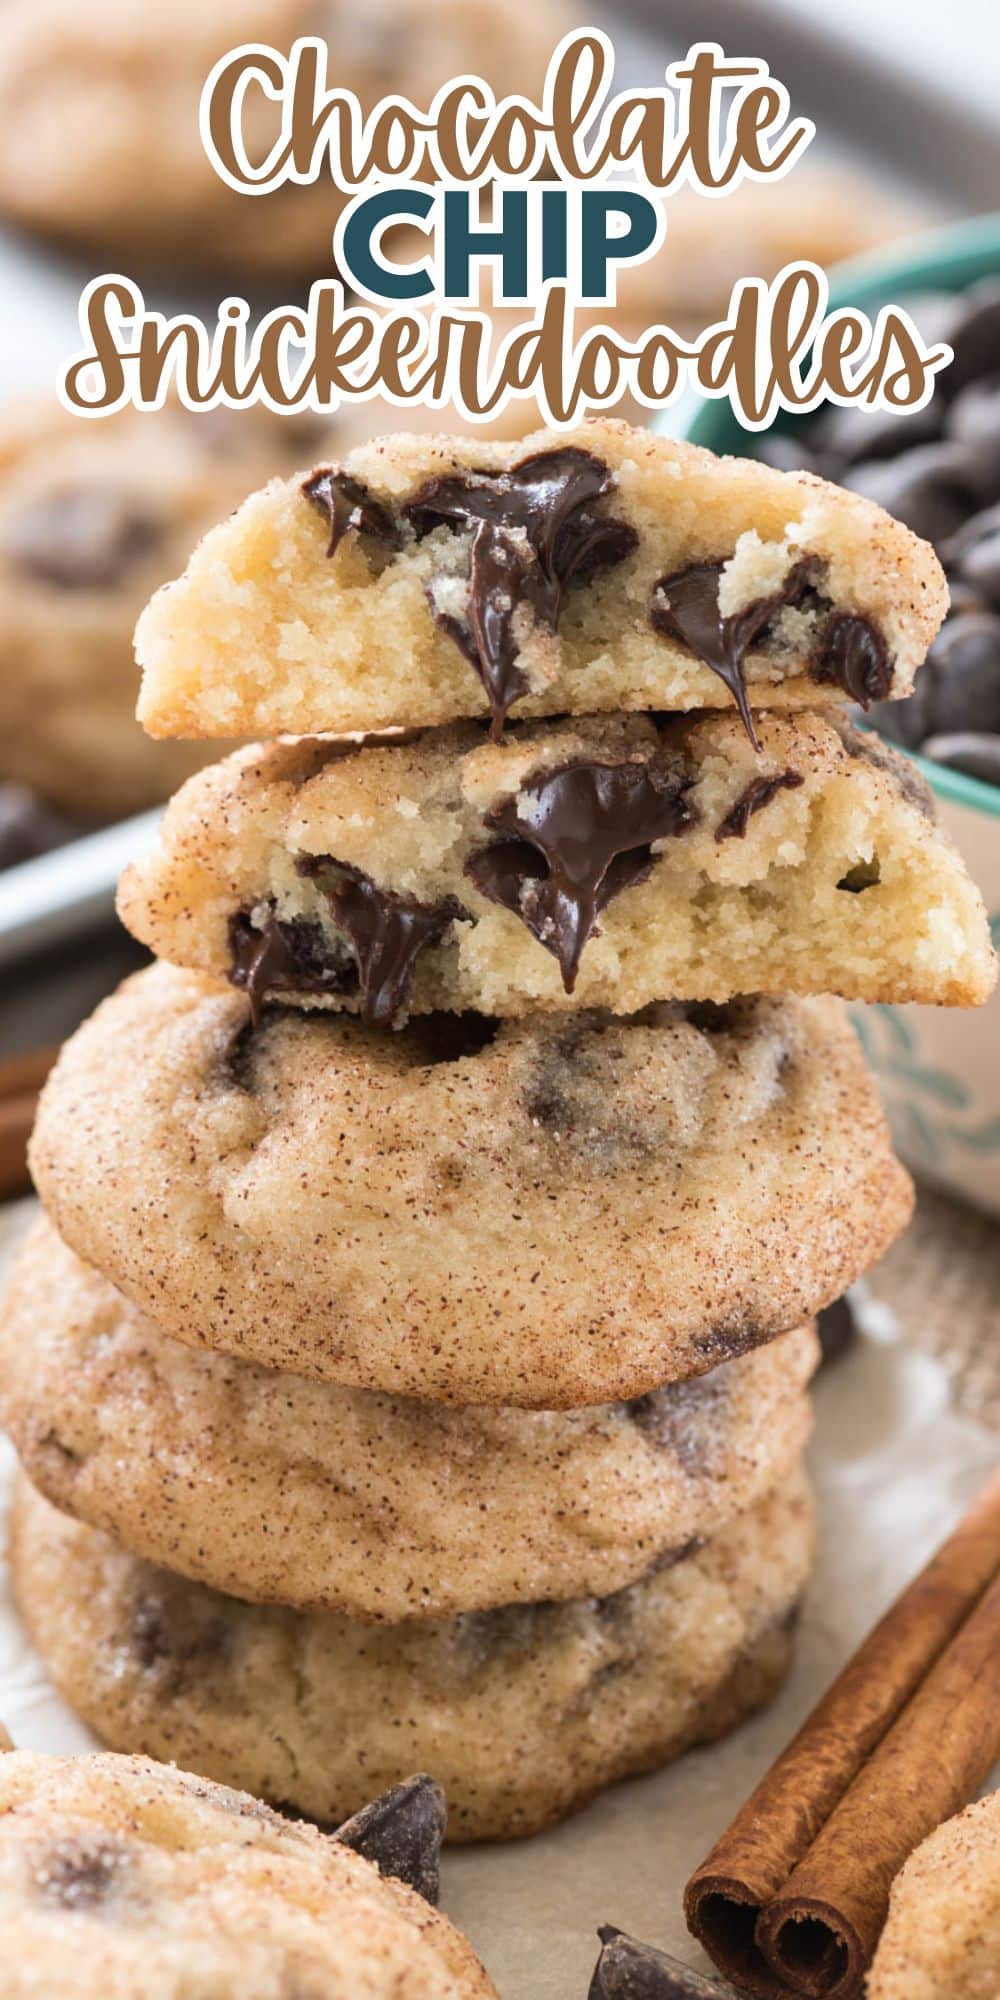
{"x": 894, "y": 1466}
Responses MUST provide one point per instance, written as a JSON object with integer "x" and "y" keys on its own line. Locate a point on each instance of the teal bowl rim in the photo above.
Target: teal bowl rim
{"x": 950, "y": 257}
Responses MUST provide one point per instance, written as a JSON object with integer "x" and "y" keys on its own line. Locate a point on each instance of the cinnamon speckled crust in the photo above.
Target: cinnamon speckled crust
{"x": 266, "y": 633}
{"x": 121, "y": 1879}
{"x": 573, "y": 1213}
{"x": 93, "y": 517}
{"x": 942, "y": 1936}
{"x": 522, "y": 1714}
{"x": 99, "y": 138}
{"x": 304, "y": 1493}
{"x": 767, "y": 910}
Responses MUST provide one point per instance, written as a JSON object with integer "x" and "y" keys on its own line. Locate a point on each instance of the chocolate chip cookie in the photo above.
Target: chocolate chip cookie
{"x": 303, "y": 1493}
{"x": 120, "y": 1876}
{"x": 92, "y": 518}
{"x": 426, "y": 580}
{"x": 522, "y": 1713}
{"x": 99, "y": 137}
{"x": 605, "y": 862}
{"x": 543, "y": 1213}
{"x": 942, "y": 1937}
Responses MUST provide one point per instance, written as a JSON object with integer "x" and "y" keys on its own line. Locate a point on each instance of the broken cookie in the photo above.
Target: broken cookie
{"x": 609, "y": 862}
{"x": 428, "y": 580}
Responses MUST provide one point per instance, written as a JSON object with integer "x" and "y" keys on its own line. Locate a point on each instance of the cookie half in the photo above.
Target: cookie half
{"x": 942, "y": 1936}
{"x": 426, "y": 580}
{"x": 521, "y": 1714}
{"x": 119, "y": 1876}
{"x": 608, "y": 862}
{"x": 297, "y": 1492}
{"x": 541, "y": 1213}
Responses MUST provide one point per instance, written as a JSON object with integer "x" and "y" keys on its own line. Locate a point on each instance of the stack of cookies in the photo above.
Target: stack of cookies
{"x": 412, "y": 1365}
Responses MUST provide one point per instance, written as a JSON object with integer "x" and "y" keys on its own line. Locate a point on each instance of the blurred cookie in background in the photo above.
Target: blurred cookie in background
{"x": 93, "y": 517}
{"x": 99, "y": 137}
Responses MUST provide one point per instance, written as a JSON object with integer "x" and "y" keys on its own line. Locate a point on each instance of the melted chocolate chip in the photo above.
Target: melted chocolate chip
{"x": 686, "y": 608}
{"x": 402, "y": 1832}
{"x": 758, "y": 794}
{"x": 854, "y": 655}
{"x": 289, "y": 955}
{"x": 573, "y": 840}
{"x": 386, "y": 932}
{"x": 81, "y": 1874}
{"x": 534, "y": 536}
{"x": 81, "y": 539}
{"x": 349, "y": 507}
{"x": 629, "y": 1970}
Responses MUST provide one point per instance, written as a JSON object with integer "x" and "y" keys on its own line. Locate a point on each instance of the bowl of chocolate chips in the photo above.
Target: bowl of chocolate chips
{"x": 938, "y": 470}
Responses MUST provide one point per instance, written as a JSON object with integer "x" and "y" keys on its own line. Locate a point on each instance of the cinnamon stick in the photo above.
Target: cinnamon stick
{"x": 17, "y": 1116}
{"x": 21, "y": 1079}
{"x": 27, "y": 1071}
{"x": 819, "y": 1935}
{"x": 753, "y": 1862}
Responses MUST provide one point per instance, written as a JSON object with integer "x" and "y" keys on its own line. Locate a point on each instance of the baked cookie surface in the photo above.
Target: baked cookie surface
{"x": 541, "y": 1213}
{"x": 302, "y": 1493}
{"x": 99, "y": 132}
{"x": 425, "y": 580}
{"x": 93, "y": 518}
{"x": 942, "y": 1936}
{"x": 521, "y": 1714}
{"x": 121, "y": 1879}
{"x": 607, "y": 862}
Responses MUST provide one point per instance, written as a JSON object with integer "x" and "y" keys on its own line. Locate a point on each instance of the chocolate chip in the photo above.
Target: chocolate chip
{"x": 963, "y": 677}
{"x": 930, "y": 488}
{"x": 386, "y": 932}
{"x": 789, "y": 452}
{"x": 973, "y": 422}
{"x": 575, "y": 838}
{"x": 758, "y": 794}
{"x": 29, "y": 827}
{"x": 975, "y": 338}
{"x": 837, "y": 1327}
{"x": 349, "y": 507}
{"x": 284, "y": 955}
{"x": 854, "y": 434}
{"x": 853, "y": 654}
{"x": 978, "y": 755}
{"x": 534, "y": 536}
{"x": 963, "y": 598}
{"x": 82, "y": 1873}
{"x": 686, "y": 607}
{"x": 402, "y": 1832}
{"x": 972, "y": 554}
{"x": 83, "y": 538}
{"x": 630, "y": 1970}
